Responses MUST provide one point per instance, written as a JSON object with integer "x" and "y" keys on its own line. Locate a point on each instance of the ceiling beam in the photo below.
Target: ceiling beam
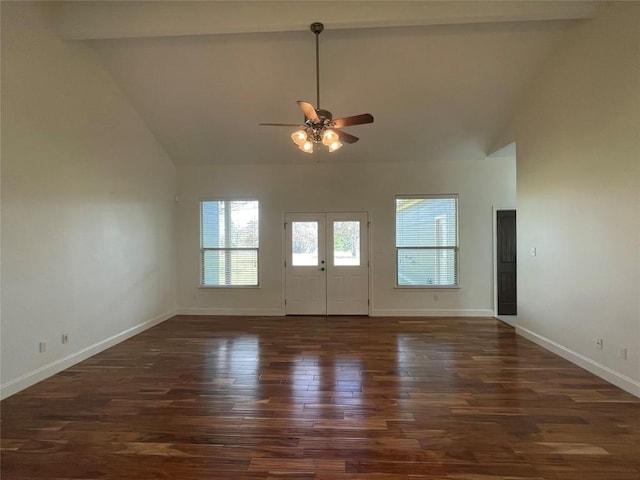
{"x": 87, "y": 20}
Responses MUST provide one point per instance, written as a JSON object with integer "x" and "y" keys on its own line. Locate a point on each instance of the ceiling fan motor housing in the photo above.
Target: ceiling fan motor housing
{"x": 324, "y": 115}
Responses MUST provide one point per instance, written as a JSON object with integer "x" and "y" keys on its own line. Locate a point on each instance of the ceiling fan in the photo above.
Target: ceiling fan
{"x": 319, "y": 125}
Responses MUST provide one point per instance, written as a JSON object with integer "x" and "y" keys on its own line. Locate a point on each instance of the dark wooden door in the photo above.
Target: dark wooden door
{"x": 507, "y": 287}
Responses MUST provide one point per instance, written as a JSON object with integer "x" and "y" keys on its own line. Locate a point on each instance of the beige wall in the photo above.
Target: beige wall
{"x": 578, "y": 187}
{"x": 331, "y": 186}
{"x": 88, "y": 219}
{"x": 87, "y": 205}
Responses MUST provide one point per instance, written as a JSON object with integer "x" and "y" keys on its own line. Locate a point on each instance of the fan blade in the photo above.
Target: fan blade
{"x": 281, "y": 124}
{"x": 309, "y": 111}
{"x": 346, "y": 137}
{"x": 355, "y": 120}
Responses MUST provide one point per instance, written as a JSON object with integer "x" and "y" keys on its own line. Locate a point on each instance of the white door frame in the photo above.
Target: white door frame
{"x": 365, "y": 250}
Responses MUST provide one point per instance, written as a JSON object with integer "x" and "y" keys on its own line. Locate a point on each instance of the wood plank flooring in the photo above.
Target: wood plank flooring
{"x": 323, "y": 398}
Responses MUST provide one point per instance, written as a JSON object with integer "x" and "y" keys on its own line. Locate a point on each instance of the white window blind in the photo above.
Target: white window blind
{"x": 427, "y": 240}
{"x": 229, "y": 243}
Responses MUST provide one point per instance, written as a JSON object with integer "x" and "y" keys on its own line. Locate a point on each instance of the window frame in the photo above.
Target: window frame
{"x": 204, "y": 249}
{"x": 455, "y": 249}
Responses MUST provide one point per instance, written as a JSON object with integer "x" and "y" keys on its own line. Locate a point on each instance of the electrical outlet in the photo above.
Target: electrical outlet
{"x": 599, "y": 343}
{"x": 42, "y": 347}
{"x": 65, "y": 338}
{"x": 436, "y": 298}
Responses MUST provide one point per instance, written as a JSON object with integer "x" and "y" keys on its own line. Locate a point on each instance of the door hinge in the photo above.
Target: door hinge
{"x": 368, "y": 302}
{"x": 285, "y": 301}
{"x": 285, "y": 264}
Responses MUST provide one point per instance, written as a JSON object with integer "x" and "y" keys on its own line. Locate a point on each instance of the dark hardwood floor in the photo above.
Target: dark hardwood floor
{"x": 323, "y": 398}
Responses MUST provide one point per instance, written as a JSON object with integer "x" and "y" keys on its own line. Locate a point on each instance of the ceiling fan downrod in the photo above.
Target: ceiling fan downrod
{"x": 317, "y": 29}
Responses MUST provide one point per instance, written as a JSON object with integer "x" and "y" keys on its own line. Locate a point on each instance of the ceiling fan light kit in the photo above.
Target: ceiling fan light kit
{"x": 319, "y": 126}
{"x": 306, "y": 137}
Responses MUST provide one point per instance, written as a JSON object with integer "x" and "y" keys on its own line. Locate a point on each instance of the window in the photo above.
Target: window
{"x": 427, "y": 241}
{"x": 229, "y": 243}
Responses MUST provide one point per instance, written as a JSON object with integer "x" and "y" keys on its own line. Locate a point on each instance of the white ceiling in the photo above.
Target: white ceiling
{"x": 440, "y": 78}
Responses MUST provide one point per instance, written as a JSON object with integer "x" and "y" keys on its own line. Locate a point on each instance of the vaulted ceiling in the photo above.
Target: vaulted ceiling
{"x": 442, "y": 79}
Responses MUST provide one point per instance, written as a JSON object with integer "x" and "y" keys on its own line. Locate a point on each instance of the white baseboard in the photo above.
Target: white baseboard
{"x": 248, "y": 312}
{"x": 277, "y": 312}
{"x": 31, "y": 378}
{"x": 383, "y": 312}
{"x": 626, "y": 383}
{"x": 508, "y": 319}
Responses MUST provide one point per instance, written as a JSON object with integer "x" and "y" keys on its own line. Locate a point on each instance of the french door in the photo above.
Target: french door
{"x": 327, "y": 264}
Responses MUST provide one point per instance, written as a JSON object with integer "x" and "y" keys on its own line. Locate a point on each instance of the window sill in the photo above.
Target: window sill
{"x": 229, "y": 287}
{"x": 427, "y": 287}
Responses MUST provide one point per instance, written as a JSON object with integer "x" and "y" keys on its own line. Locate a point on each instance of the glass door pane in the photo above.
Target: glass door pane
{"x": 304, "y": 244}
{"x": 346, "y": 243}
